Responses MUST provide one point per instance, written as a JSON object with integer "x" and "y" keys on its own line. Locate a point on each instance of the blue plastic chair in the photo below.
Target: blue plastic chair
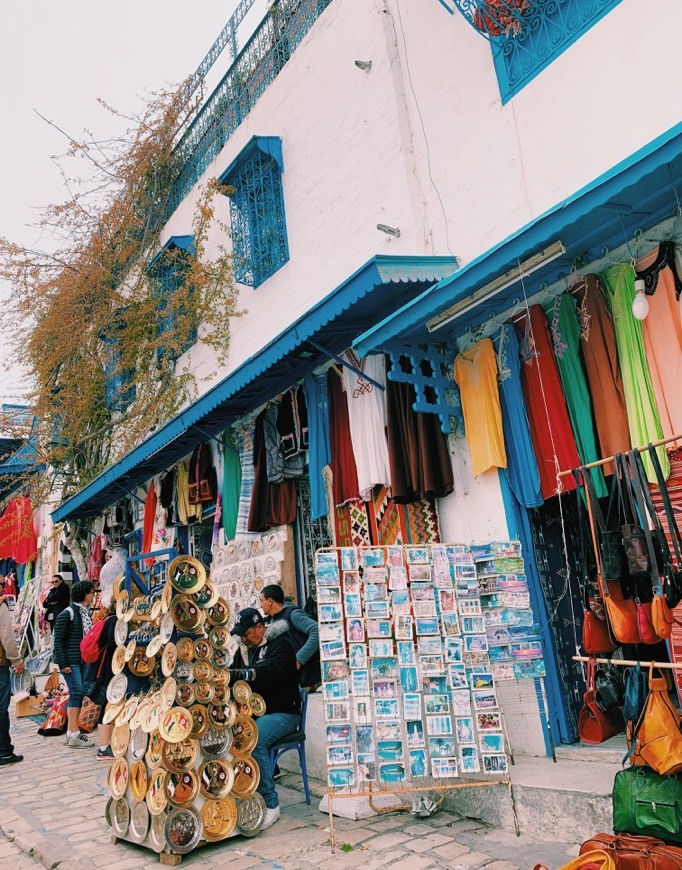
{"x": 294, "y": 741}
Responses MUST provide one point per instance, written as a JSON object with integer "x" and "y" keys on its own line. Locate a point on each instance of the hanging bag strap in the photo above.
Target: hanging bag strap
{"x": 667, "y": 506}
{"x": 590, "y": 501}
{"x": 637, "y": 488}
{"x": 613, "y": 503}
{"x": 581, "y": 527}
{"x": 659, "y": 531}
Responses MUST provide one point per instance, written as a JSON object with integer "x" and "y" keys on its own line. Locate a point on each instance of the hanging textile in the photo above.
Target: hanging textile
{"x": 550, "y": 425}
{"x": 367, "y": 420}
{"x": 319, "y": 445}
{"x": 148, "y": 521}
{"x": 565, "y": 330}
{"x": 522, "y": 467}
{"x": 598, "y": 345}
{"x": 17, "y": 535}
{"x": 344, "y": 471}
{"x": 65, "y": 564}
{"x": 420, "y": 520}
{"x": 202, "y": 477}
{"x": 243, "y": 439}
{"x": 417, "y": 448}
{"x": 232, "y": 482}
{"x": 272, "y": 504}
{"x": 292, "y": 422}
{"x": 279, "y": 466}
{"x": 187, "y": 513}
{"x": 166, "y": 495}
{"x": 96, "y": 560}
{"x": 662, "y": 330}
{"x": 385, "y": 520}
{"x": 476, "y": 376}
{"x": 643, "y": 418}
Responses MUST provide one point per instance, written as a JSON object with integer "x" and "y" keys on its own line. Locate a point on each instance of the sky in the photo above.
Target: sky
{"x": 58, "y": 59}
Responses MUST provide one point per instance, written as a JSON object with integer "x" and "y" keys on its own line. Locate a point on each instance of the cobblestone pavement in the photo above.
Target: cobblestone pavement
{"x": 52, "y": 815}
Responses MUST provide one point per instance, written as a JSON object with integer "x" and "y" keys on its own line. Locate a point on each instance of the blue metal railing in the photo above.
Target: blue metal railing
{"x": 256, "y": 66}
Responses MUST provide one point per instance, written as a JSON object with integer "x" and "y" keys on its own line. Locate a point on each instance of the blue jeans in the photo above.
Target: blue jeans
{"x": 271, "y": 728}
{"x": 6, "y": 747}
{"x": 74, "y": 681}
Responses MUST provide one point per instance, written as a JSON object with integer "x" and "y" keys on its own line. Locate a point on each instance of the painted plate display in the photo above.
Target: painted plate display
{"x": 186, "y": 613}
{"x": 246, "y": 776}
{"x": 141, "y": 664}
{"x": 130, "y": 649}
{"x": 138, "y": 744}
{"x": 178, "y": 757}
{"x": 138, "y": 780}
{"x": 250, "y": 815}
{"x": 200, "y": 717}
{"x": 156, "y": 839}
{"x": 221, "y": 694}
{"x": 154, "y": 754}
{"x": 183, "y": 830}
{"x": 207, "y": 596}
{"x": 167, "y": 694}
{"x": 216, "y": 776}
{"x": 140, "y": 715}
{"x": 118, "y": 777}
{"x": 185, "y": 649}
{"x": 244, "y": 734}
{"x": 219, "y": 613}
{"x": 118, "y": 660}
{"x": 128, "y": 710}
{"x": 166, "y": 627}
{"x": 242, "y": 692}
{"x": 156, "y": 792}
{"x": 184, "y": 694}
{"x": 112, "y": 711}
{"x": 186, "y": 574}
{"x": 116, "y": 689}
{"x": 219, "y": 636}
{"x": 219, "y": 818}
{"x": 221, "y": 675}
{"x": 176, "y": 725}
{"x": 139, "y": 822}
{"x": 154, "y": 646}
{"x": 166, "y": 596}
{"x": 122, "y": 604}
{"x": 203, "y": 671}
{"x": 257, "y": 703}
{"x": 222, "y": 716}
{"x": 117, "y": 586}
{"x": 184, "y": 672}
{"x": 204, "y": 693}
{"x": 169, "y": 659}
{"x": 152, "y": 719}
{"x": 120, "y": 817}
{"x": 107, "y": 811}
{"x": 121, "y": 632}
{"x": 216, "y": 743}
{"x": 182, "y": 788}
{"x": 202, "y": 649}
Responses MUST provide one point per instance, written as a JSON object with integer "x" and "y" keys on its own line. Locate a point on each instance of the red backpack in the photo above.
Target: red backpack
{"x": 93, "y": 642}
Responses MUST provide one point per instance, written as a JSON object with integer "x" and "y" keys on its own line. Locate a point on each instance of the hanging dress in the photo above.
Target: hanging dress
{"x": 187, "y": 513}
{"x": 662, "y": 330}
{"x": 643, "y": 418}
{"x": 565, "y": 330}
{"x": 232, "y": 482}
{"x": 550, "y": 426}
{"x": 476, "y": 376}
{"x": 319, "y": 445}
{"x": 243, "y": 439}
{"x": 367, "y": 419}
{"x": 522, "y": 467}
{"x": 600, "y": 355}
{"x": 272, "y": 504}
{"x": 344, "y": 471}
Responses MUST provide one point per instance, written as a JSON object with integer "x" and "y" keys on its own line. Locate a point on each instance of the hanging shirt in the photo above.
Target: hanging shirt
{"x": 319, "y": 446}
{"x": 367, "y": 419}
{"x": 476, "y": 376}
{"x": 643, "y": 418}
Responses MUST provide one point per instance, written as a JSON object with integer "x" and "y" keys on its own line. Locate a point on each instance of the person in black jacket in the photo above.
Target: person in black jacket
{"x": 269, "y": 666}
{"x": 72, "y": 624}
{"x": 57, "y": 599}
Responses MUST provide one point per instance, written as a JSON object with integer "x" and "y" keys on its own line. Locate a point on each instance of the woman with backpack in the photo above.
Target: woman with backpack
{"x": 98, "y": 674}
{"x": 71, "y": 626}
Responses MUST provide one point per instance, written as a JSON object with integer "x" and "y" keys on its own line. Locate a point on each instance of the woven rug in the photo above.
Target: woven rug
{"x": 385, "y": 518}
{"x": 421, "y": 522}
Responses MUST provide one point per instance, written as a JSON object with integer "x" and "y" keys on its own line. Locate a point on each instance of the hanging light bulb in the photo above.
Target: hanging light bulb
{"x": 640, "y": 304}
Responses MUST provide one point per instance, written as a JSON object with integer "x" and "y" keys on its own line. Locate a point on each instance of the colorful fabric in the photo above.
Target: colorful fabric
{"x": 148, "y": 521}
{"x": 386, "y": 518}
{"x": 243, "y": 439}
{"x": 421, "y": 522}
{"x": 344, "y": 470}
{"x": 17, "y": 535}
{"x": 232, "y": 482}
{"x": 186, "y": 512}
{"x": 319, "y": 447}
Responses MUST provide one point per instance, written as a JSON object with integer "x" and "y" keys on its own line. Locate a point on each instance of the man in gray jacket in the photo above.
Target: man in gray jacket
{"x": 9, "y": 655}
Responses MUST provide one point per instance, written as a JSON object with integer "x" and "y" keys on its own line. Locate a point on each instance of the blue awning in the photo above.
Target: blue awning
{"x": 635, "y": 194}
{"x": 382, "y": 285}
{"x": 184, "y": 243}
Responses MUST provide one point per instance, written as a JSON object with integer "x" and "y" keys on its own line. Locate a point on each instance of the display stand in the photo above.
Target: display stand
{"x": 404, "y": 643}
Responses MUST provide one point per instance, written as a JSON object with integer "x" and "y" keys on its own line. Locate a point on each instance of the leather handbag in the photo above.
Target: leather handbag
{"x": 656, "y": 739}
{"x": 635, "y": 853}
{"x": 649, "y": 804}
{"x": 621, "y": 613}
{"x": 636, "y": 691}
{"x": 597, "y": 860}
{"x": 88, "y": 717}
{"x": 611, "y": 547}
{"x": 647, "y": 633}
{"x": 609, "y": 688}
{"x": 671, "y": 578}
{"x": 661, "y": 616}
{"x": 595, "y": 726}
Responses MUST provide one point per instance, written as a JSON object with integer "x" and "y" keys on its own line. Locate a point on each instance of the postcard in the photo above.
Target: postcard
{"x": 376, "y": 592}
{"x": 334, "y": 670}
{"x": 406, "y": 654}
{"x": 394, "y": 556}
{"x": 437, "y": 725}
{"x": 441, "y": 747}
{"x": 481, "y": 680}
{"x": 360, "y": 681}
{"x": 355, "y": 629}
{"x": 415, "y": 733}
{"x": 380, "y": 648}
{"x": 377, "y": 609}
{"x": 475, "y": 643}
{"x": 492, "y": 743}
{"x": 412, "y": 706}
{"x": 357, "y": 655}
{"x": 461, "y": 702}
{"x": 487, "y": 585}
{"x": 475, "y": 659}
{"x": 340, "y": 754}
{"x": 457, "y": 677}
{"x": 372, "y": 558}
{"x": 327, "y": 575}
{"x": 397, "y": 578}
{"x": 352, "y": 604}
{"x": 434, "y": 685}
{"x": 436, "y": 704}
{"x": 503, "y": 670}
{"x": 531, "y": 668}
{"x": 430, "y": 646}
{"x": 339, "y": 733}
{"x": 515, "y": 600}
{"x": 453, "y": 649}
{"x": 422, "y": 592}
{"x": 329, "y": 613}
{"x": 498, "y": 636}
{"x": 391, "y": 771}
{"x": 432, "y": 665}
{"x": 362, "y": 710}
{"x": 473, "y": 624}
{"x": 337, "y": 690}
{"x": 408, "y": 680}
{"x": 383, "y": 666}
{"x": 341, "y": 776}
{"x": 489, "y": 721}
{"x": 331, "y": 631}
{"x": 390, "y": 750}
{"x": 349, "y": 559}
{"x": 416, "y": 555}
{"x": 367, "y": 768}
{"x": 384, "y": 688}
{"x": 464, "y": 728}
{"x": 424, "y": 607}
{"x": 527, "y": 650}
{"x": 351, "y": 582}
{"x": 337, "y": 711}
{"x": 403, "y": 627}
{"x": 448, "y": 601}
{"x": 375, "y": 576}
{"x": 451, "y": 624}
{"x": 420, "y": 573}
{"x": 329, "y": 595}
{"x": 468, "y": 759}
{"x": 484, "y": 699}
{"x": 417, "y": 759}
{"x": 427, "y": 626}
{"x": 388, "y": 730}
{"x": 364, "y": 739}
{"x": 326, "y": 557}
{"x": 400, "y": 601}
{"x": 495, "y": 763}
{"x": 386, "y": 708}
{"x": 332, "y": 649}
{"x": 444, "y": 768}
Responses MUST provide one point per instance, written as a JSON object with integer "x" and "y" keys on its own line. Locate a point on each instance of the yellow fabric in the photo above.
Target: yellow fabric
{"x": 186, "y": 512}
{"x": 476, "y": 375}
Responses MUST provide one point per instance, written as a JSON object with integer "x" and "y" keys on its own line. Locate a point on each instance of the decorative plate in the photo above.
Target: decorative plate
{"x": 219, "y": 614}
{"x": 116, "y": 689}
{"x": 204, "y": 693}
{"x": 183, "y": 830}
{"x": 156, "y": 799}
{"x": 140, "y": 714}
{"x": 176, "y": 725}
{"x": 129, "y": 614}
{"x": 219, "y": 818}
{"x": 222, "y": 716}
{"x": 117, "y": 586}
{"x": 107, "y": 811}
{"x": 138, "y": 744}
{"x": 169, "y": 659}
{"x": 184, "y": 694}
{"x": 257, "y": 547}
{"x": 270, "y": 565}
{"x": 157, "y": 835}
{"x": 203, "y": 671}
{"x": 167, "y": 694}
{"x": 257, "y": 703}
{"x": 236, "y": 573}
{"x": 185, "y": 613}
{"x": 118, "y": 777}
{"x": 202, "y": 649}
{"x": 221, "y": 695}
{"x": 200, "y": 717}
{"x": 221, "y": 675}
{"x": 120, "y": 817}
{"x": 141, "y": 664}
{"x": 219, "y": 637}
{"x": 207, "y": 596}
{"x": 139, "y": 822}
{"x": 178, "y": 757}
{"x": 130, "y": 649}
{"x": 186, "y": 574}
{"x": 112, "y": 711}
{"x": 243, "y": 551}
{"x": 166, "y": 628}
{"x": 118, "y": 660}
{"x": 138, "y": 780}
{"x": 120, "y": 737}
{"x": 244, "y": 710}
{"x": 258, "y": 583}
{"x": 128, "y": 710}
{"x": 185, "y": 649}
{"x": 156, "y": 610}
{"x": 216, "y": 743}
{"x": 182, "y": 788}
{"x": 122, "y": 604}
{"x": 184, "y": 672}
{"x": 231, "y": 553}
{"x": 166, "y": 596}
{"x": 246, "y": 776}
{"x": 272, "y": 542}
{"x": 121, "y": 632}
{"x": 154, "y": 753}
{"x": 152, "y": 719}
{"x": 250, "y": 815}
{"x": 216, "y": 776}
{"x": 244, "y": 734}
{"x": 242, "y": 692}
{"x": 233, "y": 590}
{"x": 154, "y": 646}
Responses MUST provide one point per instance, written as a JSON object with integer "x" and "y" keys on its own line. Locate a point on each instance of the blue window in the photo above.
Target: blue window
{"x": 119, "y": 389}
{"x": 259, "y": 231}
{"x": 527, "y": 35}
{"x": 168, "y": 272}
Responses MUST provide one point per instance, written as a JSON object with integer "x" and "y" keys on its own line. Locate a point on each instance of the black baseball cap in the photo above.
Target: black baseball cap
{"x": 246, "y": 619}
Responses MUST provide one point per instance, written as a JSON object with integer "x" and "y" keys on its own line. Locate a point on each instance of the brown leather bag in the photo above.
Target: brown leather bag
{"x": 596, "y": 637}
{"x": 661, "y": 616}
{"x": 595, "y": 726}
{"x": 636, "y": 853}
{"x": 621, "y": 613}
{"x": 656, "y": 739}
{"x": 645, "y": 625}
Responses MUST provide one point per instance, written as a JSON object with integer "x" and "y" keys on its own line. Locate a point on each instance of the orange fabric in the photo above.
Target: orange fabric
{"x": 148, "y": 522}
{"x": 17, "y": 536}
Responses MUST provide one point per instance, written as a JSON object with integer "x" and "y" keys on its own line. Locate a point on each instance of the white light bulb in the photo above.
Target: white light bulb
{"x": 640, "y": 304}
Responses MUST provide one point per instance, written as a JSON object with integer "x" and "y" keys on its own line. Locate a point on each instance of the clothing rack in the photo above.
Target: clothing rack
{"x": 629, "y": 663}
{"x": 638, "y": 449}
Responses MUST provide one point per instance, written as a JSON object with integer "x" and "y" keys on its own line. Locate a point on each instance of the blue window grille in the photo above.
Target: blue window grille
{"x": 119, "y": 389}
{"x": 167, "y": 272}
{"x": 259, "y": 232}
{"x": 527, "y": 35}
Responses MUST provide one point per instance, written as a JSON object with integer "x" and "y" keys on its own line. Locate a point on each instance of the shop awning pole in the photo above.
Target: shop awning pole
{"x": 611, "y": 458}
{"x": 628, "y": 663}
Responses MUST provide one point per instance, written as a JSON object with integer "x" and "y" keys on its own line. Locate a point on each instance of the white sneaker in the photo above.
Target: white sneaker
{"x": 80, "y": 742}
{"x": 271, "y": 816}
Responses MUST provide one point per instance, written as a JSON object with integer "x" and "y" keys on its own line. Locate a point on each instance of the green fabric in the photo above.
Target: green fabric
{"x": 565, "y": 328}
{"x": 644, "y": 422}
{"x": 232, "y": 484}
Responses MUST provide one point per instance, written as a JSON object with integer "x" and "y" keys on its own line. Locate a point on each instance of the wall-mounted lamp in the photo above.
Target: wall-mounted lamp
{"x": 640, "y": 304}
{"x": 364, "y": 65}
{"x": 390, "y": 231}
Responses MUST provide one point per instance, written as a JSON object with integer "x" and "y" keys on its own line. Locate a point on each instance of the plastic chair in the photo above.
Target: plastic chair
{"x": 294, "y": 741}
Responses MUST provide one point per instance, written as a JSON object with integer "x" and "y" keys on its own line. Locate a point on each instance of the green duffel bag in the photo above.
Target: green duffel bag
{"x": 649, "y": 804}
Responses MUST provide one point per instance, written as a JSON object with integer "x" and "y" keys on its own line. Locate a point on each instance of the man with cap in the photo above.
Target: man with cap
{"x": 268, "y": 664}
{"x": 9, "y": 655}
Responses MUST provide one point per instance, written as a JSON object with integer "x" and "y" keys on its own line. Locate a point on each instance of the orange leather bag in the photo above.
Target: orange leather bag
{"x": 661, "y": 616}
{"x": 621, "y": 613}
{"x": 656, "y": 739}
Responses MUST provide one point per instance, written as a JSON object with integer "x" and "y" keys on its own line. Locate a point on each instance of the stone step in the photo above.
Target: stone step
{"x": 612, "y": 751}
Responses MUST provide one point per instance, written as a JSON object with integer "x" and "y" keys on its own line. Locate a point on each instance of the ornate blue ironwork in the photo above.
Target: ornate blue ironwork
{"x": 119, "y": 391}
{"x": 259, "y": 232}
{"x": 256, "y": 66}
{"x": 167, "y": 273}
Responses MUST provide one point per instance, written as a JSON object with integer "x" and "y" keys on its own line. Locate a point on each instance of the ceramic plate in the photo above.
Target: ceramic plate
{"x": 183, "y": 830}
{"x": 156, "y": 840}
{"x": 139, "y": 822}
{"x": 120, "y": 817}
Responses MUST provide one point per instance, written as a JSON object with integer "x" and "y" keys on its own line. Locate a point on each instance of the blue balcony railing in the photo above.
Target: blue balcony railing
{"x": 256, "y": 66}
